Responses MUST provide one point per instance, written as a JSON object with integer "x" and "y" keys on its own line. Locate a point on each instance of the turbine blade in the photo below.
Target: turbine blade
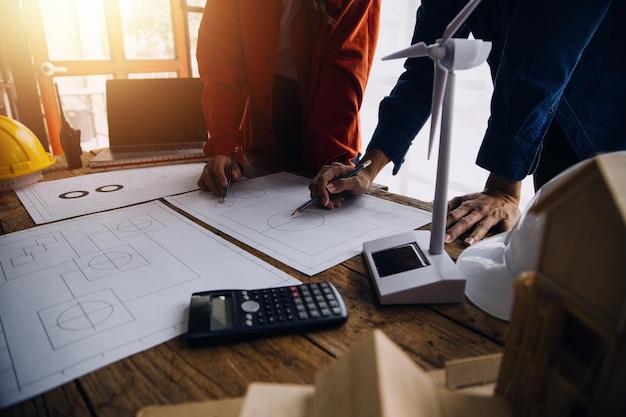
{"x": 439, "y": 88}
{"x": 416, "y": 50}
{"x": 458, "y": 20}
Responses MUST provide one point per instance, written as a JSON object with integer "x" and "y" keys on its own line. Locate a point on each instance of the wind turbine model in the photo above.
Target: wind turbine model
{"x": 402, "y": 272}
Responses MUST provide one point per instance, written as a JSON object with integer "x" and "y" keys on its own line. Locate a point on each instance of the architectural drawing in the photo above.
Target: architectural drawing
{"x": 62, "y": 199}
{"x": 79, "y": 294}
{"x": 258, "y": 213}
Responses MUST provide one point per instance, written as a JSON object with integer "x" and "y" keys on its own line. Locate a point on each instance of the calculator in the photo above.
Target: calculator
{"x": 225, "y": 316}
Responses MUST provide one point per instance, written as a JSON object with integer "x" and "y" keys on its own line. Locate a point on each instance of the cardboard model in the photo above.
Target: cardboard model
{"x": 375, "y": 379}
{"x": 566, "y": 343}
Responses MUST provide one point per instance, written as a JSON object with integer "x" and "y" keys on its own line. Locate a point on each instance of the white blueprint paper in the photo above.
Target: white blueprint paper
{"x": 49, "y": 201}
{"x": 80, "y": 294}
{"x": 258, "y": 213}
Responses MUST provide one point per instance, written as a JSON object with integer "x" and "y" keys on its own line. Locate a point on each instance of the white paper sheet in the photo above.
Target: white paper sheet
{"x": 80, "y": 294}
{"x": 62, "y": 199}
{"x": 258, "y": 213}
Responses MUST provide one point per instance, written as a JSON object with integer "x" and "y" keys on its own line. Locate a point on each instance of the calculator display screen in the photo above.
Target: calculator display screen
{"x": 399, "y": 259}
{"x": 221, "y": 312}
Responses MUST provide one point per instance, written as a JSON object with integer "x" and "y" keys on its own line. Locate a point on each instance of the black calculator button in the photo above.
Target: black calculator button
{"x": 250, "y": 306}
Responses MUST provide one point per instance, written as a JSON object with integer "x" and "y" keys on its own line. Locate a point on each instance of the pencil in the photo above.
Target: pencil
{"x": 230, "y": 173}
{"x": 315, "y": 199}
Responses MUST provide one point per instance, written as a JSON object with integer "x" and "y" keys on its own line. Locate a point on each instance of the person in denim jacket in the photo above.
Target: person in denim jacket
{"x": 559, "y": 97}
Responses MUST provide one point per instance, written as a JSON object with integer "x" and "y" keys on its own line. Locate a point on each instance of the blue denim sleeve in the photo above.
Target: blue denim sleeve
{"x": 405, "y": 110}
{"x": 545, "y": 41}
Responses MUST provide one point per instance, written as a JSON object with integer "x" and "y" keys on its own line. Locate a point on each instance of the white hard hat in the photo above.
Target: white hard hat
{"x": 492, "y": 265}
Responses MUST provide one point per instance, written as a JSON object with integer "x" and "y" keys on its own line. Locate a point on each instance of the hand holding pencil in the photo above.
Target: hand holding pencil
{"x": 316, "y": 199}
{"x": 233, "y": 161}
{"x": 219, "y": 173}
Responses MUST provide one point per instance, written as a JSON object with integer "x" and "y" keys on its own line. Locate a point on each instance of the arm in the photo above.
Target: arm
{"x": 527, "y": 91}
{"x": 544, "y": 43}
{"x": 402, "y": 114}
{"x": 342, "y": 57}
{"x": 221, "y": 67}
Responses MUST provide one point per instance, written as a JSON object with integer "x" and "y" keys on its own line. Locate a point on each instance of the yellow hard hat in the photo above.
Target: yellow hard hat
{"x": 22, "y": 157}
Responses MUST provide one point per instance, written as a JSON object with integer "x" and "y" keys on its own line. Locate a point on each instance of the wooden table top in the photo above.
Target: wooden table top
{"x": 172, "y": 373}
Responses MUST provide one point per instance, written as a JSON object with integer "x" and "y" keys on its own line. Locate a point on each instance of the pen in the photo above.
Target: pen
{"x": 348, "y": 175}
{"x": 230, "y": 173}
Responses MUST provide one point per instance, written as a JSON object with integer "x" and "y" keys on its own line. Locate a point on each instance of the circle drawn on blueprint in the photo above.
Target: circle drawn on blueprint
{"x": 109, "y": 188}
{"x": 303, "y": 221}
{"x": 110, "y": 261}
{"x": 85, "y": 315}
{"x": 224, "y": 204}
{"x": 134, "y": 225}
{"x": 73, "y": 194}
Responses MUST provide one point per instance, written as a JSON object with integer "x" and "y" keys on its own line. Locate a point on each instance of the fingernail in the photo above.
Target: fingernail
{"x": 448, "y": 238}
{"x": 331, "y": 188}
{"x": 470, "y": 240}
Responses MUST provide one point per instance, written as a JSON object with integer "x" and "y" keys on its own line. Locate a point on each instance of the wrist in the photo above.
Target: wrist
{"x": 379, "y": 161}
{"x": 502, "y": 185}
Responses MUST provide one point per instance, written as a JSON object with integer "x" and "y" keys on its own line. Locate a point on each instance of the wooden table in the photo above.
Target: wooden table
{"x": 172, "y": 373}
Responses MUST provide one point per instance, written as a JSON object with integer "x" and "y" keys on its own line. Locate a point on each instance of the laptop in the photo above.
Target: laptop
{"x": 153, "y": 122}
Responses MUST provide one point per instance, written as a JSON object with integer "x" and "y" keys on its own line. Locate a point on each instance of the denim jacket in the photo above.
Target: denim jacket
{"x": 550, "y": 59}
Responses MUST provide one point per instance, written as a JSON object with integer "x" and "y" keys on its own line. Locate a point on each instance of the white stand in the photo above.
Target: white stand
{"x": 440, "y": 281}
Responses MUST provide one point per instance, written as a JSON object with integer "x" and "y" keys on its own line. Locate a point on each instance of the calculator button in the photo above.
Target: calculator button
{"x": 325, "y": 312}
{"x": 250, "y": 306}
{"x": 249, "y": 323}
{"x": 302, "y": 315}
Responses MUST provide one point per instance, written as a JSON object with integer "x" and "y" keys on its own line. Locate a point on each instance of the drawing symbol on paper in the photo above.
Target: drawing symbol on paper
{"x": 286, "y": 222}
{"x": 79, "y": 318}
{"x": 68, "y": 195}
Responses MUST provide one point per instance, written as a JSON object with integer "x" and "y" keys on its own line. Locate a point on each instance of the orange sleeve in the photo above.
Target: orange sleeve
{"x": 346, "y": 53}
{"x": 221, "y": 68}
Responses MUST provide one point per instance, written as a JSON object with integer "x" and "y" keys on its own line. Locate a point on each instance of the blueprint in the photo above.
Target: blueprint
{"x": 48, "y": 201}
{"x": 79, "y": 294}
{"x": 258, "y": 213}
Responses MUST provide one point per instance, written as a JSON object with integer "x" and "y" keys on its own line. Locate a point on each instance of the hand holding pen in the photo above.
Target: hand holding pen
{"x": 230, "y": 173}
{"x": 316, "y": 199}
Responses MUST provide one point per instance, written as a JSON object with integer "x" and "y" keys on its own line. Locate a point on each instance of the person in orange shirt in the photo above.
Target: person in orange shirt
{"x": 284, "y": 79}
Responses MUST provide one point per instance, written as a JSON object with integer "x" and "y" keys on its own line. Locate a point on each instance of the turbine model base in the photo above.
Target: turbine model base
{"x": 404, "y": 272}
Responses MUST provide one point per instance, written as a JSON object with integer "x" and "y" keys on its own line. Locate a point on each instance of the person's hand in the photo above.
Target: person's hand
{"x": 497, "y": 206}
{"x": 329, "y": 185}
{"x": 215, "y": 174}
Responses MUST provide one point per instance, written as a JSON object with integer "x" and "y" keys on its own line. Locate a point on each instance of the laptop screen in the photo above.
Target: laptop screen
{"x": 155, "y": 111}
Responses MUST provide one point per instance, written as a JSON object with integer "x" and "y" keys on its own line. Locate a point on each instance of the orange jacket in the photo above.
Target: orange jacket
{"x": 237, "y": 44}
